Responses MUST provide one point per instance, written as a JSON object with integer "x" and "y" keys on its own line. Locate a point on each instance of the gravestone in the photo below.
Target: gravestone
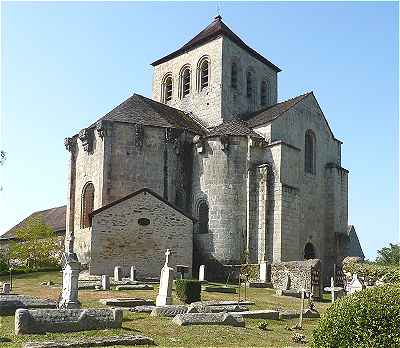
{"x": 6, "y": 288}
{"x": 259, "y": 314}
{"x": 202, "y": 273}
{"x": 134, "y": 287}
{"x": 336, "y": 291}
{"x": 142, "y": 309}
{"x": 133, "y": 274}
{"x": 117, "y": 273}
{"x": 354, "y": 285}
{"x": 263, "y": 272}
{"x": 126, "y": 302}
{"x": 164, "y": 296}
{"x": 168, "y": 311}
{"x": 125, "y": 340}
{"x": 71, "y": 269}
{"x": 105, "y": 282}
{"x": 10, "y": 303}
{"x": 208, "y": 319}
{"x": 217, "y": 309}
{"x": 39, "y": 321}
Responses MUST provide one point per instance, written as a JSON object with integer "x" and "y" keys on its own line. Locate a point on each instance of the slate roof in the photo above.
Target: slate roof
{"x": 141, "y": 110}
{"x": 212, "y": 31}
{"x": 233, "y": 127}
{"x": 54, "y": 217}
{"x": 144, "y": 189}
{"x": 272, "y": 112}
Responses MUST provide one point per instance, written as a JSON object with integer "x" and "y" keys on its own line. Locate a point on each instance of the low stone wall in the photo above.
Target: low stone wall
{"x": 66, "y": 320}
{"x": 294, "y": 275}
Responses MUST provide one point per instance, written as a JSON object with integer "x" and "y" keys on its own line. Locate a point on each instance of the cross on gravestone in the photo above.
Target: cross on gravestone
{"x": 334, "y": 290}
{"x": 167, "y": 253}
{"x": 303, "y": 291}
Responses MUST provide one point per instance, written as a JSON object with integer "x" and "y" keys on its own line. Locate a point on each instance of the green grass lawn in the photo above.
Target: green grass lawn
{"x": 162, "y": 330}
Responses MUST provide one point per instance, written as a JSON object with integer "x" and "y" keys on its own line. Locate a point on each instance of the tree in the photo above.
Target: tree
{"x": 389, "y": 255}
{"x": 36, "y": 245}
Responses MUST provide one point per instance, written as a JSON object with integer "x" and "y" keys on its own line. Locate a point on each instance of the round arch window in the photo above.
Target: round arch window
{"x": 309, "y": 251}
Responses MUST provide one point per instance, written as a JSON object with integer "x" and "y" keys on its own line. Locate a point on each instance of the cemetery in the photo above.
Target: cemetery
{"x": 60, "y": 309}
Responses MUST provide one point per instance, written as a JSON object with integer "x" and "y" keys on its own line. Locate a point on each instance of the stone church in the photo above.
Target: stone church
{"x": 212, "y": 167}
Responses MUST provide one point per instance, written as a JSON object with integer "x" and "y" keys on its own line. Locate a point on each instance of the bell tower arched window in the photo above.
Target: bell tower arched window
{"x": 185, "y": 81}
{"x": 87, "y": 204}
{"x": 204, "y": 73}
{"x": 234, "y": 75}
{"x": 309, "y": 152}
{"x": 249, "y": 84}
{"x": 263, "y": 93}
{"x": 203, "y": 217}
{"x": 167, "y": 88}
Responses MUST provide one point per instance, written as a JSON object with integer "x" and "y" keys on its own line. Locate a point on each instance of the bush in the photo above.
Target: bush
{"x": 374, "y": 271}
{"x": 188, "y": 290}
{"x": 369, "y": 318}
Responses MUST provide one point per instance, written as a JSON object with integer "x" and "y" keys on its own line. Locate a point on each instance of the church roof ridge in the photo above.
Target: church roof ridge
{"x": 216, "y": 28}
{"x": 138, "y": 109}
{"x": 272, "y": 112}
{"x": 234, "y": 127}
{"x": 135, "y": 193}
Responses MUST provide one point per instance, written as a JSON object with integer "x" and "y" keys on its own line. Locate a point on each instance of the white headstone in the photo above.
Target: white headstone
{"x": 166, "y": 280}
{"x": 354, "y": 285}
{"x": 133, "y": 273}
{"x": 6, "y": 288}
{"x": 71, "y": 269}
{"x": 263, "y": 272}
{"x": 202, "y": 273}
{"x": 105, "y": 282}
{"x": 117, "y": 273}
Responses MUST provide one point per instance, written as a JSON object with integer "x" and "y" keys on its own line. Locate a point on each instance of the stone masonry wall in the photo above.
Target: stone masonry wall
{"x": 119, "y": 240}
{"x": 235, "y": 102}
{"x": 204, "y": 104}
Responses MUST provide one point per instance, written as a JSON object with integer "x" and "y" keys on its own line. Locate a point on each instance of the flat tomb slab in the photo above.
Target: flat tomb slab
{"x": 208, "y": 319}
{"x": 134, "y": 287}
{"x": 308, "y": 313}
{"x": 259, "y": 285}
{"x": 126, "y": 340}
{"x": 223, "y": 303}
{"x": 142, "y": 309}
{"x": 38, "y": 321}
{"x": 10, "y": 303}
{"x": 126, "y": 302}
{"x": 259, "y": 314}
{"x": 168, "y": 311}
{"x": 223, "y": 289}
{"x": 218, "y": 309}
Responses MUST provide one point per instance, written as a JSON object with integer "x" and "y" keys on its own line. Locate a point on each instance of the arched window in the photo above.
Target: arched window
{"x": 204, "y": 73}
{"x": 167, "y": 88}
{"x": 234, "y": 75}
{"x": 185, "y": 82}
{"x": 203, "y": 217}
{"x": 87, "y": 204}
{"x": 309, "y": 152}
{"x": 249, "y": 84}
{"x": 309, "y": 251}
{"x": 263, "y": 93}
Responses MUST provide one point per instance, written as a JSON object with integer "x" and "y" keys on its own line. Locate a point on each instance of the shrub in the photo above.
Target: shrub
{"x": 188, "y": 290}
{"x": 374, "y": 271}
{"x": 369, "y": 318}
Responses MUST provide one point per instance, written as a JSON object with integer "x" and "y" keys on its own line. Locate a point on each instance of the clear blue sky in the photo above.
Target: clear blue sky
{"x": 64, "y": 65}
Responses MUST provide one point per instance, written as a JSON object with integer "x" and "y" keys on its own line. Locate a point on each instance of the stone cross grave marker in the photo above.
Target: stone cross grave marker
{"x": 71, "y": 269}
{"x": 164, "y": 296}
{"x": 202, "y": 273}
{"x": 117, "y": 273}
{"x": 334, "y": 290}
{"x": 303, "y": 292}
